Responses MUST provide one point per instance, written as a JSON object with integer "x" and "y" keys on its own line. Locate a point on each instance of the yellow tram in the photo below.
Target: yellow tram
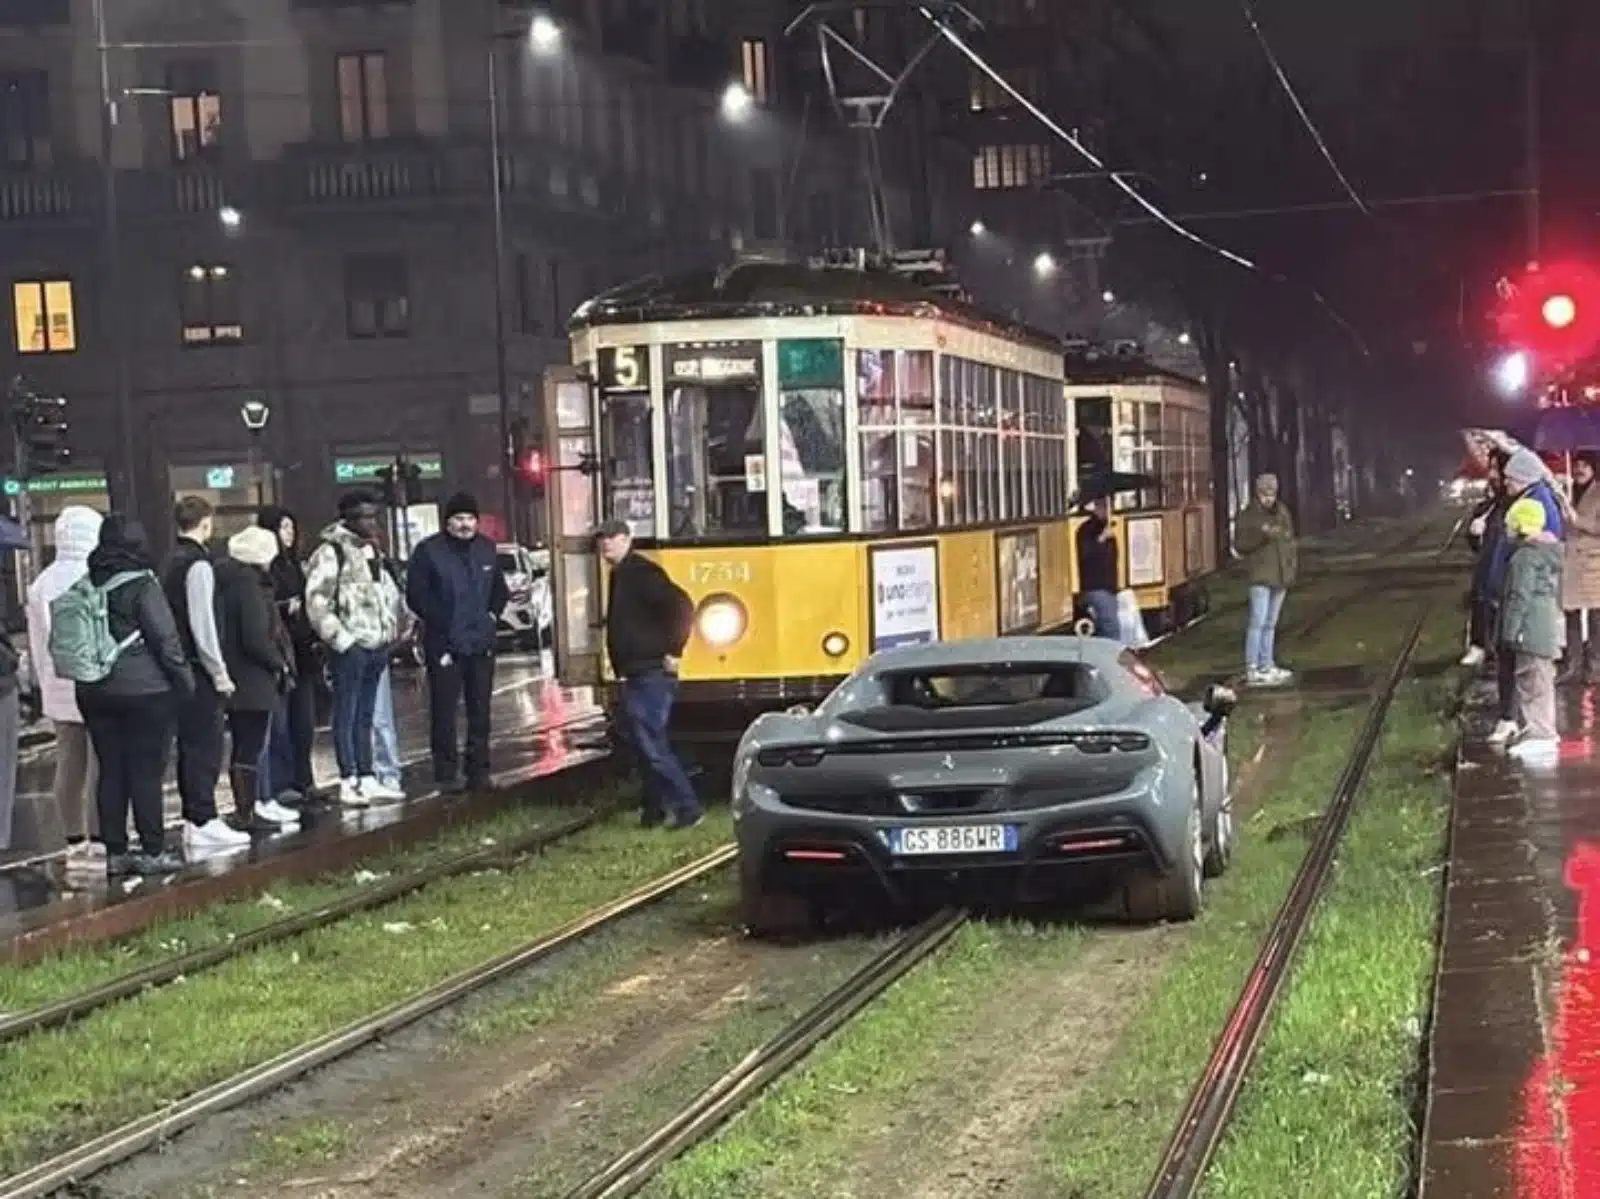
{"x": 833, "y": 461}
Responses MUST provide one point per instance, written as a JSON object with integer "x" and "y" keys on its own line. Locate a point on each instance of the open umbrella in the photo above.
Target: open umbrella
{"x": 1106, "y": 484}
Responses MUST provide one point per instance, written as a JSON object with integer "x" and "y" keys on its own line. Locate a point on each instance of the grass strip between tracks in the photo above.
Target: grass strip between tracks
{"x": 65, "y": 1086}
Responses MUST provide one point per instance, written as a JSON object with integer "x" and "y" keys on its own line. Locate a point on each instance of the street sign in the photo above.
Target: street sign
{"x": 366, "y": 469}
{"x": 57, "y": 484}
{"x": 219, "y": 478}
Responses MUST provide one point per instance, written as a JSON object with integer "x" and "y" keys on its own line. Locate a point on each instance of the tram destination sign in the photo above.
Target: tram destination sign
{"x": 624, "y": 368}
{"x": 731, "y": 362}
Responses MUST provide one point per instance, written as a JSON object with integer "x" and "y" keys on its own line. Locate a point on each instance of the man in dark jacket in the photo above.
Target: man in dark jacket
{"x": 648, "y": 622}
{"x": 1099, "y": 569}
{"x": 457, "y": 590}
{"x": 190, "y": 584}
{"x": 130, "y": 712}
{"x": 287, "y": 764}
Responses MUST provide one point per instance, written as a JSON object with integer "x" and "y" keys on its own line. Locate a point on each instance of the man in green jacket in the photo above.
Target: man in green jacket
{"x": 1263, "y": 537}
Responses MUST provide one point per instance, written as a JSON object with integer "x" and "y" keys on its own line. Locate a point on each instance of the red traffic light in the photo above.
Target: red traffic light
{"x": 530, "y": 466}
{"x": 1559, "y": 311}
{"x": 1554, "y": 311}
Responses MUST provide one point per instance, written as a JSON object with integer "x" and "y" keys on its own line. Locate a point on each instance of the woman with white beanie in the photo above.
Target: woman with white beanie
{"x": 259, "y": 657}
{"x": 77, "y": 532}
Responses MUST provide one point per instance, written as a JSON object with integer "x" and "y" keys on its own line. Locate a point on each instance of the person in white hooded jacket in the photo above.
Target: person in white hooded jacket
{"x": 77, "y": 533}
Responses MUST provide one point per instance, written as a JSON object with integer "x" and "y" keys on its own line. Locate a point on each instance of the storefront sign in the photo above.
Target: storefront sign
{"x": 1145, "y": 567}
{"x": 58, "y": 485}
{"x": 905, "y": 596}
{"x": 1017, "y": 555}
{"x": 734, "y": 362}
{"x": 366, "y": 470}
{"x": 219, "y": 478}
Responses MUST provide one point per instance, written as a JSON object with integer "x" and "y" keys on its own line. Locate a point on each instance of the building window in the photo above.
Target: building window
{"x": 196, "y": 109}
{"x": 757, "y": 65}
{"x": 363, "y": 97}
{"x": 45, "y": 320}
{"x": 377, "y": 296}
{"x": 209, "y": 304}
{"x": 995, "y": 167}
{"x": 25, "y": 118}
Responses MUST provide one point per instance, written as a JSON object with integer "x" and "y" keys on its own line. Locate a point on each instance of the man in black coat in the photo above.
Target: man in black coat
{"x": 457, "y": 590}
{"x": 1099, "y": 570}
{"x": 648, "y": 622}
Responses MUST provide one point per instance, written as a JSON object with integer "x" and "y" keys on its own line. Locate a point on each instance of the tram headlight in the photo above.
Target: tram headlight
{"x": 721, "y": 620}
{"x": 836, "y": 645}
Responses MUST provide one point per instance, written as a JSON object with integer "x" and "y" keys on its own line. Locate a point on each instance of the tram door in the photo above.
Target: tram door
{"x": 571, "y": 497}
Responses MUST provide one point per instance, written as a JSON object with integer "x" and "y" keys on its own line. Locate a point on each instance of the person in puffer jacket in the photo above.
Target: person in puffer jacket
{"x": 77, "y": 532}
{"x": 1533, "y": 628}
{"x": 353, "y": 605}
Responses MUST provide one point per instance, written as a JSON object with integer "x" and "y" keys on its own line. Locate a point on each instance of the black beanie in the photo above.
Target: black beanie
{"x": 460, "y": 504}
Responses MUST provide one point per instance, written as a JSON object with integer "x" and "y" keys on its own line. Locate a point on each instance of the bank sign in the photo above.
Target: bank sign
{"x": 905, "y": 596}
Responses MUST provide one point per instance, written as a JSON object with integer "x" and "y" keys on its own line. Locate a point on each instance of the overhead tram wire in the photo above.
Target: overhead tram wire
{"x": 1117, "y": 177}
{"x": 1240, "y": 214}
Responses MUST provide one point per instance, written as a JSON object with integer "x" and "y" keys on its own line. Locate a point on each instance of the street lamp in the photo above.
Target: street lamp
{"x": 1184, "y": 338}
{"x": 544, "y": 35}
{"x": 1044, "y": 265}
{"x": 255, "y": 414}
{"x": 1109, "y": 296}
{"x": 978, "y": 229}
{"x": 737, "y": 103}
{"x": 230, "y": 216}
{"x": 1511, "y": 373}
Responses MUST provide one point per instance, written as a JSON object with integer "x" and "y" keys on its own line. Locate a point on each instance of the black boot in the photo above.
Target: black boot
{"x": 243, "y": 780}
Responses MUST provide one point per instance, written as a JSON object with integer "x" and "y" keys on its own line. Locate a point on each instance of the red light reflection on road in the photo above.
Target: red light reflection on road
{"x": 1558, "y": 1138}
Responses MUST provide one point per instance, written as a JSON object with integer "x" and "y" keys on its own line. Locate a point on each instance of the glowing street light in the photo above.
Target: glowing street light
{"x": 1044, "y": 265}
{"x": 1184, "y": 338}
{"x": 544, "y": 35}
{"x": 978, "y": 229}
{"x": 1512, "y": 373}
{"x": 230, "y": 216}
{"x": 737, "y": 102}
{"x": 1109, "y": 296}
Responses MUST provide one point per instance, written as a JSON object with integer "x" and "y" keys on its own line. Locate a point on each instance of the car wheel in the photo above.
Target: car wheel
{"x": 773, "y": 915}
{"x": 1177, "y": 896}
{"x": 1219, "y": 854}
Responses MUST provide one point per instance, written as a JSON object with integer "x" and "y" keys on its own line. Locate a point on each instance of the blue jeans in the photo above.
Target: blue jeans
{"x": 1102, "y": 606}
{"x": 647, "y": 707}
{"x": 356, "y": 675}
{"x": 385, "y": 742}
{"x": 1261, "y": 634}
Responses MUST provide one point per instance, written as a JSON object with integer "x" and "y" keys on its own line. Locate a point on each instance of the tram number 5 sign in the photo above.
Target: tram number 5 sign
{"x": 625, "y": 368}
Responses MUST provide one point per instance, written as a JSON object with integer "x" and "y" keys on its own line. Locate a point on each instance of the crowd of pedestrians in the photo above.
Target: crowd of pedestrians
{"x": 214, "y": 659}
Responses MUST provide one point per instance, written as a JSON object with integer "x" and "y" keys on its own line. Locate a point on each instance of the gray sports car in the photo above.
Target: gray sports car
{"x": 1018, "y": 769}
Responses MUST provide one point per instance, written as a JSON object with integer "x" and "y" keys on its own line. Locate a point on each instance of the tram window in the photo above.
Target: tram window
{"x": 812, "y": 454}
{"x": 880, "y": 482}
{"x": 631, "y": 492}
{"x": 714, "y": 435}
{"x": 949, "y": 475}
{"x": 1010, "y": 476}
{"x": 916, "y": 480}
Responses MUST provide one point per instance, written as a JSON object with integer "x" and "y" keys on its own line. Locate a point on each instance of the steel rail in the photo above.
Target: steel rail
{"x": 1205, "y": 1117}
{"x": 185, "y": 965}
{"x": 139, "y": 1135}
{"x": 633, "y": 1171}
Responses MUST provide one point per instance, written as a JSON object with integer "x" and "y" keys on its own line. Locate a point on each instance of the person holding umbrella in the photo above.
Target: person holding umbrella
{"x": 1580, "y": 580}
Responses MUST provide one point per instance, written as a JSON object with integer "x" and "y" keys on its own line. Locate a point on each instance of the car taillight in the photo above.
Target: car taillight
{"x": 803, "y": 756}
{"x": 1105, "y": 743}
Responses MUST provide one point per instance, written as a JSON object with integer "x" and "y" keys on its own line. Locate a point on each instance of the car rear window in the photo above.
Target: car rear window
{"x": 995, "y": 686}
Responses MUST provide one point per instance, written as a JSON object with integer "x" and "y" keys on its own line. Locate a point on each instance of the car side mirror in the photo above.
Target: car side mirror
{"x": 798, "y": 710}
{"x": 1220, "y": 700}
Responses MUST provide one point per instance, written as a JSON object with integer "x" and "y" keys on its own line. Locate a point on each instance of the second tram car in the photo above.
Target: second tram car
{"x": 833, "y": 460}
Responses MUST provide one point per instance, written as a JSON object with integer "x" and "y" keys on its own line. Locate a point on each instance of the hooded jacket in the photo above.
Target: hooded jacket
{"x": 289, "y": 591}
{"x": 77, "y": 533}
{"x": 1530, "y": 614}
{"x": 156, "y": 664}
{"x": 254, "y": 645}
{"x": 351, "y": 600}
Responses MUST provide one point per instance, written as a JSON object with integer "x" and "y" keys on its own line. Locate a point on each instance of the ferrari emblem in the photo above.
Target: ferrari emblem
{"x": 948, "y": 763}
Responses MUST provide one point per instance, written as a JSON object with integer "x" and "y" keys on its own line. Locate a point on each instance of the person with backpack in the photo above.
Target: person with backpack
{"x": 77, "y": 532}
{"x": 259, "y": 656}
{"x": 115, "y": 636}
{"x": 353, "y": 604}
{"x": 190, "y": 584}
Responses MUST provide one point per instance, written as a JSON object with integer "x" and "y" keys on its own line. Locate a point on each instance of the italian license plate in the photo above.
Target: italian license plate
{"x": 956, "y": 838}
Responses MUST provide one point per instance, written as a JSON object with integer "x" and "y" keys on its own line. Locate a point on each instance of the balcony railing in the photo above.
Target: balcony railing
{"x": 365, "y": 176}
{"x": 45, "y": 195}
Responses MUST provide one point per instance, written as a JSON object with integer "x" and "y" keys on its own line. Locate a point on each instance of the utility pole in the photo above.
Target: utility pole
{"x": 127, "y": 476}
{"x": 502, "y": 371}
{"x": 1535, "y": 163}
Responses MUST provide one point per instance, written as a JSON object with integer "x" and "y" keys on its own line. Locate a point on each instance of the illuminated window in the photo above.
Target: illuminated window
{"x": 209, "y": 304}
{"x": 196, "y": 110}
{"x": 1010, "y": 166}
{"x": 377, "y": 296}
{"x": 363, "y": 97}
{"x": 45, "y": 321}
{"x": 757, "y": 70}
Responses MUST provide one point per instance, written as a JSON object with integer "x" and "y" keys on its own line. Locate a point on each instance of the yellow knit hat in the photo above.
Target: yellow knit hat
{"x": 1525, "y": 518}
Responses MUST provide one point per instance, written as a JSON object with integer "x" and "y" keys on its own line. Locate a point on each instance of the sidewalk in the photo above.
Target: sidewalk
{"x": 1513, "y": 1106}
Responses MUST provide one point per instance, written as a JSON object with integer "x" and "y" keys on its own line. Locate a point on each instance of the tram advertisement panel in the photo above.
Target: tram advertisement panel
{"x": 905, "y": 596}
{"x": 1145, "y": 568}
{"x": 1017, "y": 560}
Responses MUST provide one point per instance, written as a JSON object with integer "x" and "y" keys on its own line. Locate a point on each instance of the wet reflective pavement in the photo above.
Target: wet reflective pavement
{"x": 543, "y": 732}
{"x": 1514, "y": 1086}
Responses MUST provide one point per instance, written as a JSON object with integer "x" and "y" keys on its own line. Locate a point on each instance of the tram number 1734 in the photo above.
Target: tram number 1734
{"x": 718, "y": 574}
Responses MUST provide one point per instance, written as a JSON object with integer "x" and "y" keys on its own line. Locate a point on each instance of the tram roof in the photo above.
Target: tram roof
{"x": 777, "y": 289}
{"x": 1110, "y": 371}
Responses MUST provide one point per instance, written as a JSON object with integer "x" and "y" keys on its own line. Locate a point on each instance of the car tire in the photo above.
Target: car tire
{"x": 1178, "y": 896}
{"x": 1224, "y": 833}
{"x": 774, "y": 915}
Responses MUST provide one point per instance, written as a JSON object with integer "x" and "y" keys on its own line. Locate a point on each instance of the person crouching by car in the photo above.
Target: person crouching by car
{"x": 77, "y": 531}
{"x": 287, "y": 763}
{"x": 259, "y": 657}
{"x": 458, "y": 591}
{"x": 132, "y": 711}
{"x": 649, "y": 619}
{"x": 1532, "y": 627}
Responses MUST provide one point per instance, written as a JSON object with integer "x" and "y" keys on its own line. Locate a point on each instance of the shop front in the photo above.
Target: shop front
{"x": 46, "y": 497}
{"x": 235, "y": 490}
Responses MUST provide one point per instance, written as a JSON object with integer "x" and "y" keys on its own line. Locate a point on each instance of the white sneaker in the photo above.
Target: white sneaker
{"x": 372, "y": 789}
{"x": 1257, "y": 678}
{"x": 274, "y": 811}
{"x": 350, "y": 794}
{"x": 1277, "y": 676}
{"x": 1473, "y": 657}
{"x": 1503, "y": 732}
{"x": 1543, "y": 750}
{"x": 214, "y": 834}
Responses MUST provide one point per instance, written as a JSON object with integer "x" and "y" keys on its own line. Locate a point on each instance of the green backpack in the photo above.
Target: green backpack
{"x": 81, "y": 645}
